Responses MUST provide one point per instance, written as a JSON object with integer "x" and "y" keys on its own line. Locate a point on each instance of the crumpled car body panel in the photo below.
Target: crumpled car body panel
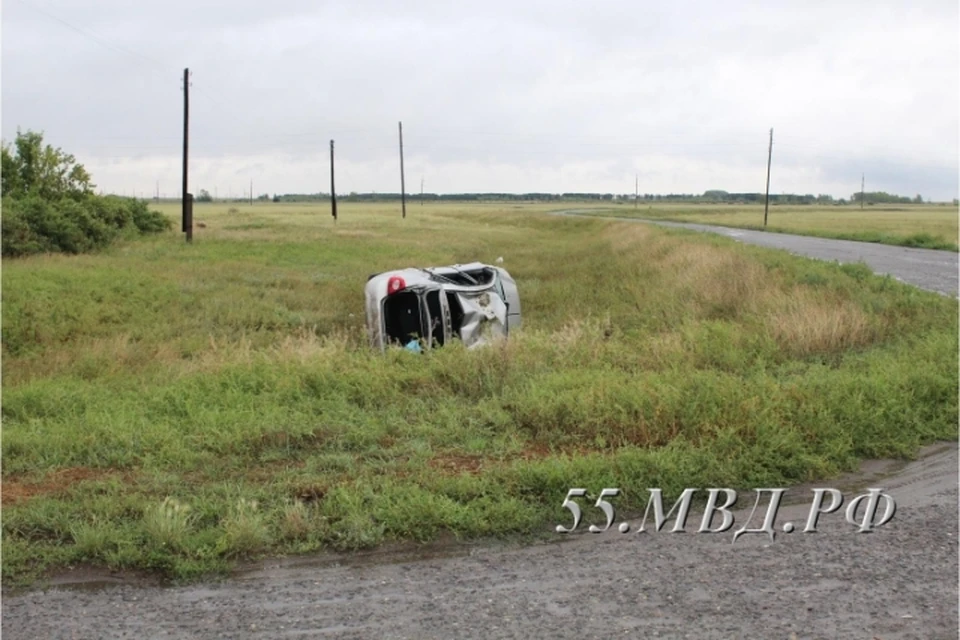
{"x": 475, "y": 303}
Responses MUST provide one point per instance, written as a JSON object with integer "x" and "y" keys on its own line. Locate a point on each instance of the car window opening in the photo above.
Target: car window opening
{"x": 471, "y": 278}
{"x": 402, "y": 317}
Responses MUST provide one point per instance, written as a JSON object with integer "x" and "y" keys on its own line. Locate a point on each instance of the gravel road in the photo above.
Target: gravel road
{"x": 899, "y": 581}
{"x": 924, "y": 268}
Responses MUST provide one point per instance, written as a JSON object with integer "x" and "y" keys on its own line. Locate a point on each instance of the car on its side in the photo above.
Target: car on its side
{"x": 422, "y": 308}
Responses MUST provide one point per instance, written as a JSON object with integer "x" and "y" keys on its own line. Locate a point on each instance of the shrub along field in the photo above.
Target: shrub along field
{"x": 177, "y": 407}
{"x": 49, "y": 204}
{"x": 908, "y": 225}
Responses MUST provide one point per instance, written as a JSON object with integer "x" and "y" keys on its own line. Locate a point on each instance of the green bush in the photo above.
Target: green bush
{"x": 49, "y": 204}
{"x": 35, "y": 225}
{"x": 148, "y": 221}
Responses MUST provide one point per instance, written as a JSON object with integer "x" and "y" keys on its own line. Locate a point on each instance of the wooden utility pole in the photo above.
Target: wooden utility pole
{"x": 636, "y": 192}
{"x": 333, "y": 193}
{"x": 186, "y": 200}
{"x": 421, "y": 192}
{"x": 862, "y": 182}
{"x": 766, "y": 202}
{"x": 403, "y": 188}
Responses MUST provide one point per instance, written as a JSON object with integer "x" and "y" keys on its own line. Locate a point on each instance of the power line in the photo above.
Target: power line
{"x": 204, "y": 92}
{"x": 92, "y": 35}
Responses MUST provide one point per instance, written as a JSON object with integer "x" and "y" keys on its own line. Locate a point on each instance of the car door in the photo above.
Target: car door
{"x": 507, "y": 287}
{"x": 437, "y": 315}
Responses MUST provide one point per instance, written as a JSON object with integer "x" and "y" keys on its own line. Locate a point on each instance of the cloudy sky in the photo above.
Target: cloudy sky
{"x": 494, "y": 96}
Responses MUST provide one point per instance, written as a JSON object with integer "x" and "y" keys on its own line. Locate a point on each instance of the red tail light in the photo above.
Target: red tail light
{"x": 394, "y": 284}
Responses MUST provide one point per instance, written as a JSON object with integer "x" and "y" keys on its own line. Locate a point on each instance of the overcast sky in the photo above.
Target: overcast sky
{"x": 499, "y": 95}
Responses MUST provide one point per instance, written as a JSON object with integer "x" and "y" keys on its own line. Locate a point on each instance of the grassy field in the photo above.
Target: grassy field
{"x": 174, "y": 408}
{"x": 925, "y": 226}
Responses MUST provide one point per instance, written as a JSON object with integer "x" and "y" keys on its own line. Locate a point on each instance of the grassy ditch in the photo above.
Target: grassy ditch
{"x": 175, "y": 408}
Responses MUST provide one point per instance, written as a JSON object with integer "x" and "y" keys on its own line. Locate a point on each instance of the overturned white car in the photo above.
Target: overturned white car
{"x": 419, "y": 308}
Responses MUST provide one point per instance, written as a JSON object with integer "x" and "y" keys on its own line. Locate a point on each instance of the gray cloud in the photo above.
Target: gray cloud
{"x": 554, "y": 96}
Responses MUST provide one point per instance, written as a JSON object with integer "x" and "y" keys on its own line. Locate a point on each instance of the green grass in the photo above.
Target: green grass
{"x": 920, "y": 226}
{"x": 176, "y": 407}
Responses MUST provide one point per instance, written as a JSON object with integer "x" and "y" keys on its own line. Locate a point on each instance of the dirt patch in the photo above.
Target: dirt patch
{"x": 12, "y": 493}
{"x": 18, "y": 489}
{"x": 456, "y": 464}
{"x": 310, "y": 493}
{"x": 540, "y": 450}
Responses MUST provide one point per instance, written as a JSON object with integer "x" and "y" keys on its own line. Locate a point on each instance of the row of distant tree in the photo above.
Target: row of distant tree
{"x": 869, "y": 197}
{"x": 204, "y": 196}
{"x": 713, "y": 196}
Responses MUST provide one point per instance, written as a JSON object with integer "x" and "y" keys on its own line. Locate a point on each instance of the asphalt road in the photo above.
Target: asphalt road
{"x": 899, "y": 581}
{"x": 924, "y": 268}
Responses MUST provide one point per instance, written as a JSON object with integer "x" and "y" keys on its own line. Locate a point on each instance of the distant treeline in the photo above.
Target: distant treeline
{"x": 445, "y": 197}
{"x": 713, "y": 196}
{"x": 708, "y": 197}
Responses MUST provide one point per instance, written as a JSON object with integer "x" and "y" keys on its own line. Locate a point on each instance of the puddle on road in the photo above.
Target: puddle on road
{"x": 93, "y": 579}
{"x": 88, "y": 578}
